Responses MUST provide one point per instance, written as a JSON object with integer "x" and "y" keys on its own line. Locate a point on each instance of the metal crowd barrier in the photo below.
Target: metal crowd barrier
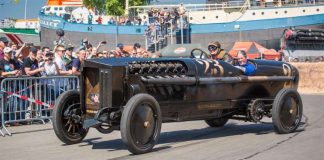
{"x": 29, "y": 99}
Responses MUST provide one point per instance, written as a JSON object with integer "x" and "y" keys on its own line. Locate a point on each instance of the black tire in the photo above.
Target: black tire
{"x": 287, "y": 111}
{"x": 140, "y": 125}
{"x": 104, "y": 128}
{"x": 216, "y": 122}
{"x": 69, "y": 130}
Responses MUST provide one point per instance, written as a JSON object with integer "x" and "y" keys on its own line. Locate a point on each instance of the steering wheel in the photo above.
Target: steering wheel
{"x": 198, "y": 53}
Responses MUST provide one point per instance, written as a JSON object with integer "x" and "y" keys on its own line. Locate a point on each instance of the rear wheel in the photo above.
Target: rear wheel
{"x": 141, "y": 123}
{"x": 216, "y": 122}
{"x": 67, "y": 121}
{"x": 287, "y": 111}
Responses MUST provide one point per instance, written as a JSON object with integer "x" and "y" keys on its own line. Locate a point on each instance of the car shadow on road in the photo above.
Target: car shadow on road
{"x": 230, "y": 129}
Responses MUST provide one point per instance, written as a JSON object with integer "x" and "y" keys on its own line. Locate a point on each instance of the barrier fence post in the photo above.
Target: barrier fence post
{"x": 31, "y": 99}
{"x": 1, "y": 111}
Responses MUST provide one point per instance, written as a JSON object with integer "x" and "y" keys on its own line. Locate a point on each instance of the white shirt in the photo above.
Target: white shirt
{"x": 59, "y": 63}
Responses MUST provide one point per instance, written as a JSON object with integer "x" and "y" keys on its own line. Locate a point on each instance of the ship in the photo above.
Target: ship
{"x": 21, "y": 31}
{"x": 262, "y": 21}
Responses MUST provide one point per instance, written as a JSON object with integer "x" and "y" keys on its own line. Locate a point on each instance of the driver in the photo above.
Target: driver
{"x": 217, "y": 53}
{"x": 247, "y": 67}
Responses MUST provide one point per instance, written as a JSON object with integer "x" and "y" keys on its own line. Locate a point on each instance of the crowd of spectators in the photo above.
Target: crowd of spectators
{"x": 61, "y": 60}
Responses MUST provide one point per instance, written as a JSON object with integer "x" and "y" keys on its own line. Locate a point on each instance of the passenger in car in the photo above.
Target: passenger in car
{"x": 247, "y": 67}
{"x": 217, "y": 53}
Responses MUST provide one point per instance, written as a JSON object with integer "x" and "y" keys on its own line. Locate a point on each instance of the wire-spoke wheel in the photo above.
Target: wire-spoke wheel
{"x": 141, "y": 123}
{"x": 287, "y": 111}
{"x": 67, "y": 121}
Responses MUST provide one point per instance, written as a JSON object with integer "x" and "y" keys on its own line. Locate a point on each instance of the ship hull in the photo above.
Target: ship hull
{"x": 270, "y": 38}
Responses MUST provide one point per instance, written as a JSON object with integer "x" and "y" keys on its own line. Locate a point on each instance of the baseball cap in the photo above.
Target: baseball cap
{"x": 137, "y": 45}
{"x": 120, "y": 45}
{"x": 69, "y": 47}
{"x": 33, "y": 50}
{"x": 7, "y": 50}
{"x": 4, "y": 39}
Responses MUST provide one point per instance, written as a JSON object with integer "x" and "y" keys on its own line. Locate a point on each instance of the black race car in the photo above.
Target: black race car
{"x": 136, "y": 96}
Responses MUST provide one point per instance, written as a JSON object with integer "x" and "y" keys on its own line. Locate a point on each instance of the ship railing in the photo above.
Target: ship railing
{"x": 191, "y": 7}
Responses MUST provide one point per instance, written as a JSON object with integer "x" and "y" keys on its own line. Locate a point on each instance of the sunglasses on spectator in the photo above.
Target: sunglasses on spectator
{"x": 62, "y": 50}
{"x": 212, "y": 48}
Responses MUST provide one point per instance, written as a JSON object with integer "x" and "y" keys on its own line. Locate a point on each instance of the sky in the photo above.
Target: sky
{"x": 9, "y": 9}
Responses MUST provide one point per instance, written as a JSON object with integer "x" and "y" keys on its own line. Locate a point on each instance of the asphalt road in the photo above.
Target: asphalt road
{"x": 186, "y": 140}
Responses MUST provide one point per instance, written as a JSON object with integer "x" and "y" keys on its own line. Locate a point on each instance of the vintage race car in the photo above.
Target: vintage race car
{"x": 136, "y": 96}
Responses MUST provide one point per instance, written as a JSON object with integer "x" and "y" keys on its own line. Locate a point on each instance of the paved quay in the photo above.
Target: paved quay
{"x": 185, "y": 140}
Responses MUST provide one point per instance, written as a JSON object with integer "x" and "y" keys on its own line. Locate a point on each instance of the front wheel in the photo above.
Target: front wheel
{"x": 287, "y": 111}
{"x": 67, "y": 118}
{"x": 141, "y": 123}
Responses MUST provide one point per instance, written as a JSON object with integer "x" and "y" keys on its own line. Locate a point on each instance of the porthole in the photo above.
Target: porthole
{"x": 262, "y": 13}
{"x": 276, "y": 12}
{"x": 216, "y": 16}
{"x": 304, "y": 10}
{"x": 317, "y": 9}
{"x": 253, "y": 13}
{"x": 191, "y": 18}
{"x": 204, "y": 17}
{"x": 285, "y": 11}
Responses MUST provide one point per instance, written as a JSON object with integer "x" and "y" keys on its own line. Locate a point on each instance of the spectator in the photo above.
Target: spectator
{"x": 90, "y": 18}
{"x": 137, "y": 51}
{"x": 59, "y": 53}
{"x": 120, "y": 52}
{"x": 144, "y": 21}
{"x": 93, "y": 53}
{"x": 77, "y": 62}
{"x": 40, "y": 57}
{"x": 3, "y": 43}
{"x": 8, "y": 65}
{"x": 30, "y": 66}
{"x": 105, "y": 54}
{"x": 145, "y": 54}
{"x": 45, "y": 50}
{"x": 20, "y": 62}
{"x": 84, "y": 44}
{"x": 67, "y": 58}
{"x": 111, "y": 54}
{"x": 182, "y": 10}
{"x": 99, "y": 20}
{"x": 122, "y": 20}
{"x": 50, "y": 67}
{"x": 139, "y": 20}
{"x": 111, "y": 21}
{"x": 15, "y": 51}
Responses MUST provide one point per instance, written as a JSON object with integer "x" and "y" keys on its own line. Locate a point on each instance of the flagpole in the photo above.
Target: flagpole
{"x": 26, "y": 1}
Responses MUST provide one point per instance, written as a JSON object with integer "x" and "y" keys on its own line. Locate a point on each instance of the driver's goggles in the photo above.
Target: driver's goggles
{"x": 212, "y": 48}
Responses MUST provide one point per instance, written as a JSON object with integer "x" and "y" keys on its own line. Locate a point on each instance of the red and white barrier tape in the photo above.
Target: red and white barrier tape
{"x": 30, "y": 99}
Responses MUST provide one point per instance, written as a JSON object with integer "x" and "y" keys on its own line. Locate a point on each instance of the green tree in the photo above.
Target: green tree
{"x": 111, "y": 7}
{"x": 99, "y": 5}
